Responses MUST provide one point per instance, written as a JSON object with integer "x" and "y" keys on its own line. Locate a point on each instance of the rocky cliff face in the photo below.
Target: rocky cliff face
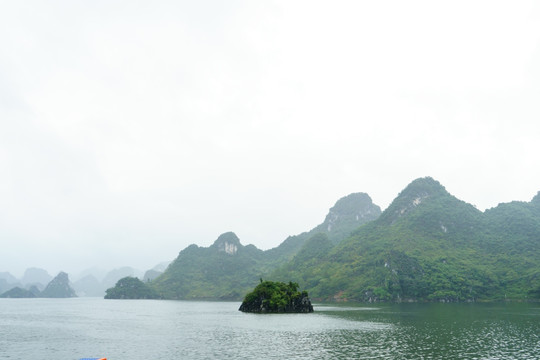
{"x": 227, "y": 243}
{"x": 59, "y": 287}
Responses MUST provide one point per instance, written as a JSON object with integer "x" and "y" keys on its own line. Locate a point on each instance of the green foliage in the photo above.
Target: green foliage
{"x": 213, "y": 273}
{"x": 131, "y": 288}
{"x": 303, "y": 267}
{"x": 430, "y": 246}
{"x": 271, "y": 296}
{"x": 426, "y": 246}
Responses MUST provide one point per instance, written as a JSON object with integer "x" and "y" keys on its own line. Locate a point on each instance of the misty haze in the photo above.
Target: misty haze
{"x": 366, "y": 170}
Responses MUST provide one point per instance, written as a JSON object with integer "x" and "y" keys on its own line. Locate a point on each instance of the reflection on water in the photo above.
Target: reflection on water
{"x": 452, "y": 331}
{"x": 74, "y": 328}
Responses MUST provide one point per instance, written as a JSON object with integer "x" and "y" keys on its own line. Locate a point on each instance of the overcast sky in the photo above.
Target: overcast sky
{"x": 131, "y": 129}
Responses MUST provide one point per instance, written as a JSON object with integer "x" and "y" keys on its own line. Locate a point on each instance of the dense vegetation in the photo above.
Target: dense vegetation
{"x": 131, "y": 288}
{"x": 426, "y": 246}
{"x": 227, "y": 269}
{"x": 223, "y": 271}
{"x": 276, "y": 297}
{"x": 430, "y": 246}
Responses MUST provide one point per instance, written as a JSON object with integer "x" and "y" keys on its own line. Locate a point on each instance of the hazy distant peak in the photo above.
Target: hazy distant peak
{"x": 228, "y": 243}
{"x": 420, "y": 189}
{"x": 10, "y": 279}
{"x": 162, "y": 266}
{"x": 353, "y": 204}
{"x": 229, "y": 237}
{"x": 62, "y": 276}
{"x": 356, "y": 207}
{"x": 536, "y": 199}
{"x": 36, "y": 275}
{"x": 425, "y": 186}
{"x": 415, "y": 194}
{"x": 59, "y": 287}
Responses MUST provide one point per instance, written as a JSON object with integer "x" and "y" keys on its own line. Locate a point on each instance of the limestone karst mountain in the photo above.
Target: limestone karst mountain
{"x": 426, "y": 246}
{"x": 59, "y": 287}
{"x": 430, "y": 246}
{"x": 227, "y": 269}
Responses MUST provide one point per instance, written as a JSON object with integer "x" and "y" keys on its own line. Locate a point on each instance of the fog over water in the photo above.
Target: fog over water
{"x": 129, "y": 130}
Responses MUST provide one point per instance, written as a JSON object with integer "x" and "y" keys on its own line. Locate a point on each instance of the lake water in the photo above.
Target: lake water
{"x": 148, "y": 329}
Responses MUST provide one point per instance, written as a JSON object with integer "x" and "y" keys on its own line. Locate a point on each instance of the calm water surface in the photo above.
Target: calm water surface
{"x": 148, "y": 329}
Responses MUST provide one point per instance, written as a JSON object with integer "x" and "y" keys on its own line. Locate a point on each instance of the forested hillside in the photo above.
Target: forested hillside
{"x": 426, "y": 246}
{"x": 223, "y": 271}
{"x": 227, "y": 269}
{"x": 430, "y": 246}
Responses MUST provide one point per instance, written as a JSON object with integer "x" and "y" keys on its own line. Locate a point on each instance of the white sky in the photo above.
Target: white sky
{"x": 131, "y": 129}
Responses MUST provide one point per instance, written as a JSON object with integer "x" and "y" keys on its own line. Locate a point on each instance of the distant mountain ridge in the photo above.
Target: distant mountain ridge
{"x": 345, "y": 216}
{"x": 58, "y": 287}
{"x": 348, "y": 213}
{"x": 227, "y": 269}
{"x": 36, "y": 276}
{"x": 426, "y": 246}
{"x": 92, "y": 282}
{"x": 430, "y": 246}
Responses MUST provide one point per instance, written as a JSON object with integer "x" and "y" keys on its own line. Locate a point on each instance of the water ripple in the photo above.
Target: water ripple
{"x": 46, "y": 328}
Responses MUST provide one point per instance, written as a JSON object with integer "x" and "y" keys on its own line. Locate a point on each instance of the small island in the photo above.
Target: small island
{"x": 18, "y": 293}
{"x": 276, "y": 297}
{"x": 131, "y": 288}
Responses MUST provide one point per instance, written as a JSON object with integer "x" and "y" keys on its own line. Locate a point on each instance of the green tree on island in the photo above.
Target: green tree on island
{"x": 276, "y": 297}
{"x": 131, "y": 288}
